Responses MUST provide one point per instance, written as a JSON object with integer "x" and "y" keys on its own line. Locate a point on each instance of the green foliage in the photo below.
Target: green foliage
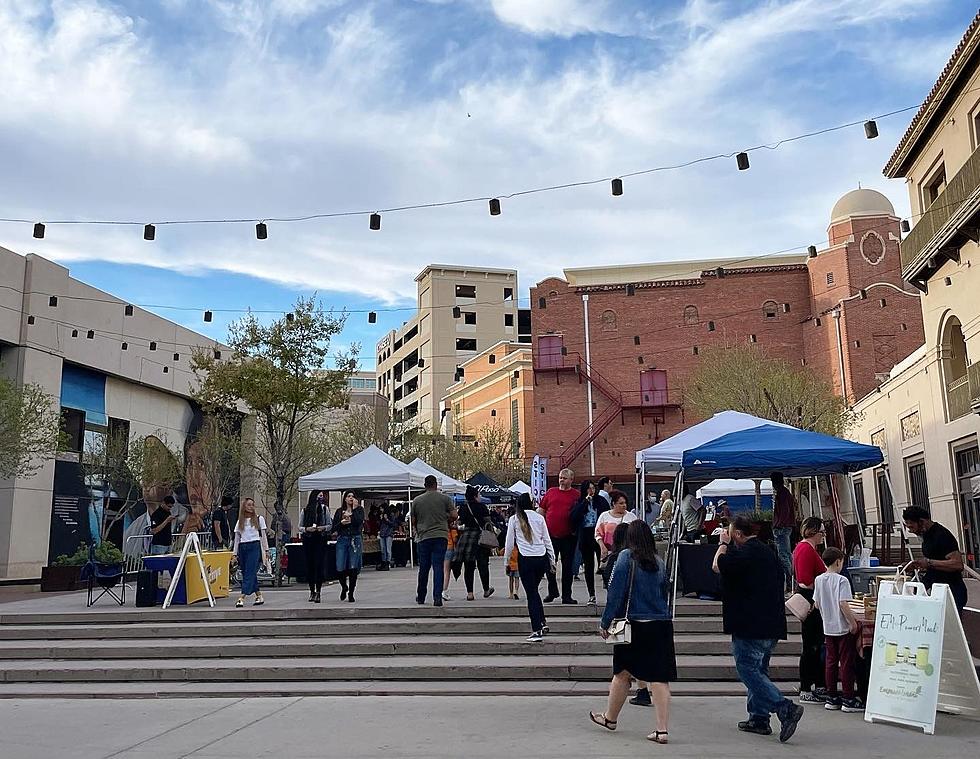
{"x": 107, "y": 553}
{"x": 30, "y": 429}
{"x": 73, "y": 560}
{"x": 759, "y": 515}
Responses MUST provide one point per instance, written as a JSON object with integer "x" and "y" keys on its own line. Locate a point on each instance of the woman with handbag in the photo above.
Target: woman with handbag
{"x": 527, "y": 530}
{"x": 314, "y": 527}
{"x": 476, "y": 540}
{"x": 637, "y": 620}
{"x": 348, "y": 521}
{"x": 807, "y": 566}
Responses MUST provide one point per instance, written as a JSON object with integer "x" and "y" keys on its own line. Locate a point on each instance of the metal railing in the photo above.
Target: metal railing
{"x": 958, "y": 397}
{"x": 942, "y": 209}
{"x": 973, "y": 377}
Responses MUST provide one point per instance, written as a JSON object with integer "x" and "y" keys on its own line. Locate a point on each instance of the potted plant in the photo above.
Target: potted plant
{"x": 64, "y": 572}
{"x": 762, "y": 520}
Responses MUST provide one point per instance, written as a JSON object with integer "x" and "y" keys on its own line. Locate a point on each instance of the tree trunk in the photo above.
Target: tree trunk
{"x": 280, "y": 509}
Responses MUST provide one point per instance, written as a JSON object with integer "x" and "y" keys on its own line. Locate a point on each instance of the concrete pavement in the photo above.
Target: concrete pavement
{"x": 438, "y": 727}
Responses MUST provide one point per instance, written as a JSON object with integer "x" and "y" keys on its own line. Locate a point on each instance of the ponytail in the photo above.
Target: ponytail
{"x": 523, "y": 504}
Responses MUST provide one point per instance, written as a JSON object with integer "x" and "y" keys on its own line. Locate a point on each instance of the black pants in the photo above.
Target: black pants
{"x": 315, "y": 552}
{"x": 565, "y": 548}
{"x": 811, "y": 656}
{"x": 590, "y": 557}
{"x": 532, "y": 569}
{"x": 481, "y": 562}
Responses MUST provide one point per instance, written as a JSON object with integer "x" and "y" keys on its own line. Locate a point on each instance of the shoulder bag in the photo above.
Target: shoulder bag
{"x": 798, "y": 606}
{"x": 488, "y": 533}
{"x": 620, "y": 630}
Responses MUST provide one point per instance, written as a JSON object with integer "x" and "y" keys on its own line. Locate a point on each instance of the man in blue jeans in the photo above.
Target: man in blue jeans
{"x": 755, "y": 616}
{"x": 783, "y": 522}
{"x": 431, "y": 514}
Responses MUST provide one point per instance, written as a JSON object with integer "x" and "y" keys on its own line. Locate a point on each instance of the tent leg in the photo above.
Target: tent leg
{"x": 891, "y": 492}
{"x": 641, "y": 496}
{"x": 411, "y": 536}
{"x": 854, "y": 506}
{"x": 674, "y": 534}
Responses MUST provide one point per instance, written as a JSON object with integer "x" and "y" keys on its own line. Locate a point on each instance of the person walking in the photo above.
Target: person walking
{"x": 527, "y": 531}
{"x": 783, "y": 522}
{"x": 941, "y": 558}
{"x": 314, "y": 526}
{"x": 585, "y": 517}
{"x": 447, "y": 573}
{"x": 219, "y": 524}
{"x": 666, "y": 515}
{"x": 638, "y": 592}
{"x": 431, "y": 513}
{"x": 252, "y": 549}
{"x": 608, "y": 521}
{"x": 474, "y": 517}
{"x": 556, "y": 506}
{"x": 348, "y": 521}
{"x": 807, "y": 566}
{"x": 386, "y": 537}
{"x": 755, "y": 616}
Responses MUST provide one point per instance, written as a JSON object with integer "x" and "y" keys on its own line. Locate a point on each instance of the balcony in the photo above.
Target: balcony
{"x": 946, "y": 225}
{"x": 958, "y": 397}
{"x": 973, "y": 377}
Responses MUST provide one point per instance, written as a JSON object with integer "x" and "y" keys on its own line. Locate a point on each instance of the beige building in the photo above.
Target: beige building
{"x": 111, "y": 366}
{"x": 461, "y": 312}
{"x": 925, "y": 414}
{"x": 496, "y": 390}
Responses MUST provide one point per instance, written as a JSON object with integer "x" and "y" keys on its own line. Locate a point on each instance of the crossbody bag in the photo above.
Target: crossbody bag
{"x": 620, "y": 630}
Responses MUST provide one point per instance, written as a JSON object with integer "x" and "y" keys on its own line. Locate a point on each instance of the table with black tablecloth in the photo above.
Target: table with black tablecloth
{"x": 694, "y": 570}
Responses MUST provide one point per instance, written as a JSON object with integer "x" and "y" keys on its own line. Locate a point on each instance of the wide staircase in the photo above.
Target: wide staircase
{"x": 463, "y": 649}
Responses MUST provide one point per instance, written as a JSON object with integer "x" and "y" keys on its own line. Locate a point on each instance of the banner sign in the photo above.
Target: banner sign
{"x": 539, "y": 477}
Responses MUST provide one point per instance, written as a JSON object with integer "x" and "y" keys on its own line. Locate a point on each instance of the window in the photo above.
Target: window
{"x": 465, "y": 291}
{"x": 967, "y": 462}
{"x": 691, "y": 315}
{"x": 515, "y": 428}
{"x": 513, "y": 382}
{"x": 550, "y": 352}
{"x": 770, "y": 309}
{"x": 508, "y": 293}
{"x": 886, "y": 508}
{"x": 830, "y": 279}
{"x": 119, "y": 430}
{"x": 469, "y": 317}
{"x": 73, "y": 423}
{"x": 465, "y": 344}
{"x": 859, "y": 499}
{"x": 542, "y": 303}
{"x": 934, "y": 186}
{"x": 917, "y": 483}
{"x": 508, "y": 320}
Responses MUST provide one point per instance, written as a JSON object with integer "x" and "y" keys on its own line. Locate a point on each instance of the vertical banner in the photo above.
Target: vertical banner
{"x": 539, "y": 477}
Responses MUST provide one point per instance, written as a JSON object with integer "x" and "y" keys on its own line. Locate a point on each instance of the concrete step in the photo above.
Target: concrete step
{"x": 274, "y": 688}
{"x": 160, "y": 626}
{"x": 347, "y": 646}
{"x": 535, "y": 665}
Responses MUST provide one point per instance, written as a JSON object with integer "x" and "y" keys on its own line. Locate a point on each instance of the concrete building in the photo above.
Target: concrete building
{"x": 924, "y": 414}
{"x": 111, "y": 366}
{"x": 462, "y": 311}
{"x": 496, "y": 390}
{"x": 614, "y": 346}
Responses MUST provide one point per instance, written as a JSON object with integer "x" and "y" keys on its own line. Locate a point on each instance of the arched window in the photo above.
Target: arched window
{"x": 608, "y": 320}
{"x": 691, "y": 315}
{"x": 770, "y": 309}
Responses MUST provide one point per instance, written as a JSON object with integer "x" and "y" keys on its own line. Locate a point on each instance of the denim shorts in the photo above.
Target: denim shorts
{"x": 450, "y": 554}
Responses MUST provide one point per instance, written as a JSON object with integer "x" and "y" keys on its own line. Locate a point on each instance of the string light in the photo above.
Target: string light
{"x": 261, "y": 231}
{"x": 811, "y": 251}
{"x": 742, "y": 161}
{"x": 375, "y": 222}
{"x": 457, "y": 312}
{"x": 149, "y": 232}
{"x": 372, "y": 317}
{"x": 39, "y": 231}
{"x": 128, "y": 310}
{"x": 617, "y": 186}
{"x": 906, "y": 227}
{"x": 494, "y": 206}
{"x": 870, "y": 129}
{"x": 208, "y": 316}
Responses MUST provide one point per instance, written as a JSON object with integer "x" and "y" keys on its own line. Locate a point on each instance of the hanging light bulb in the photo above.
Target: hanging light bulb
{"x": 290, "y": 317}
{"x": 375, "y": 222}
{"x": 457, "y": 312}
{"x": 811, "y": 251}
{"x": 617, "y": 187}
{"x": 870, "y": 129}
{"x": 39, "y": 231}
{"x": 261, "y": 231}
{"x": 906, "y": 227}
{"x": 372, "y": 317}
{"x": 742, "y": 161}
{"x": 208, "y": 316}
{"x": 631, "y": 290}
{"x": 494, "y": 207}
{"x": 149, "y": 232}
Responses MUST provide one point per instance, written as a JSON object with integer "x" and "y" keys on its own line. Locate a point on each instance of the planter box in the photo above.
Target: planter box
{"x": 60, "y": 578}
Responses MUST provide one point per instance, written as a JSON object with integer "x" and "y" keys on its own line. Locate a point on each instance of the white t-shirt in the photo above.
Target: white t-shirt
{"x": 540, "y": 542}
{"x": 607, "y": 524}
{"x": 248, "y": 532}
{"x": 829, "y": 589}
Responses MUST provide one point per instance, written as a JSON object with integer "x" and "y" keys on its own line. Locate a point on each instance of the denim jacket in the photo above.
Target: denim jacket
{"x": 648, "y": 601}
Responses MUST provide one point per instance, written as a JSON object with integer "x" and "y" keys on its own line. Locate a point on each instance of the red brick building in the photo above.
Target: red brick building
{"x": 843, "y": 312}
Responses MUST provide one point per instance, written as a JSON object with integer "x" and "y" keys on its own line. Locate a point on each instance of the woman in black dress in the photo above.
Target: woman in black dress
{"x": 638, "y": 592}
{"x": 314, "y": 527}
{"x": 473, "y": 517}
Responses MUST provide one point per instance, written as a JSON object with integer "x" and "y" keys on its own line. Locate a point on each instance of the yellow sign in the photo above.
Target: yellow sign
{"x": 218, "y": 567}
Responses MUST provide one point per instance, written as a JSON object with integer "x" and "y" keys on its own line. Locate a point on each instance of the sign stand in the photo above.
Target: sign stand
{"x": 191, "y": 542}
{"x": 920, "y": 661}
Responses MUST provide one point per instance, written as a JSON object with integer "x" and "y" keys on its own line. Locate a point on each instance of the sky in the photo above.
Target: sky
{"x": 209, "y": 109}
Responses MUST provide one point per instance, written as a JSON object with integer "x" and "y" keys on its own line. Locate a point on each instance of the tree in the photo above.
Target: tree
{"x": 277, "y": 373}
{"x": 214, "y": 459}
{"x": 30, "y": 429}
{"x": 745, "y": 378}
{"x": 494, "y": 454}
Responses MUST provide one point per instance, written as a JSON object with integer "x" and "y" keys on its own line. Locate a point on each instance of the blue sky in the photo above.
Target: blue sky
{"x": 148, "y": 111}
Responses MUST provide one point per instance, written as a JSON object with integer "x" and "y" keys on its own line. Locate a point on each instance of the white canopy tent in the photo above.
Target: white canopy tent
{"x": 372, "y": 470}
{"x": 447, "y": 484}
{"x": 726, "y": 488}
{"x": 520, "y": 487}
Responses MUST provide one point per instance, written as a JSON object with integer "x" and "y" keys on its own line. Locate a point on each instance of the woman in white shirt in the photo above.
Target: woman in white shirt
{"x": 609, "y": 520}
{"x": 251, "y": 548}
{"x": 535, "y": 557}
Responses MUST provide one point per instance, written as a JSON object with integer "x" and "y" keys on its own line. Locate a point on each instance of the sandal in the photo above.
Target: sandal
{"x": 659, "y": 736}
{"x": 601, "y": 721}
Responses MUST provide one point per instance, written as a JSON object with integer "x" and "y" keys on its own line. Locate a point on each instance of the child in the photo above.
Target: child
{"x": 450, "y": 557}
{"x": 831, "y": 592}
{"x": 513, "y": 578}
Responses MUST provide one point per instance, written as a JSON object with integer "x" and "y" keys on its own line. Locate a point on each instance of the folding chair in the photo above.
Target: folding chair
{"x": 106, "y": 577}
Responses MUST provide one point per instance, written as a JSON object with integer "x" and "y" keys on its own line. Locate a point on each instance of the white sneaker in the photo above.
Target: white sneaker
{"x": 446, "y": 596}
{"x": 592, "y": 601}
{"x": 535, "y": 637}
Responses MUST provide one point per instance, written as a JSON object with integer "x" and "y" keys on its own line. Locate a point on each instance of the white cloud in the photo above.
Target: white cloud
{"x": 563, "y": 18}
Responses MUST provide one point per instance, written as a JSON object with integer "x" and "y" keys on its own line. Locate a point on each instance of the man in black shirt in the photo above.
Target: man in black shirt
{"x": 219, "y": 523}
{"x": 941, "y": 557}
{"x": 755, "y": 616}
{"x": 161, "y": 525}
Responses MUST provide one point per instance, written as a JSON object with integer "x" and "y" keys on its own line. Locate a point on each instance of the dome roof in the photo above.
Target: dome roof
{"x": 862, "y": 203}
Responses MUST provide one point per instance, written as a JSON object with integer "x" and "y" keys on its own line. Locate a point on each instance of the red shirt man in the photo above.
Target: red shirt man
{"x": 557, "y": 504}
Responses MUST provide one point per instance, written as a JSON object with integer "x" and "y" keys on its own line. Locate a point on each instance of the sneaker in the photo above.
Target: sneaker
{"x": 569, "y": 601}
{"x": 549, "y": 599}
{"x": 545, "y": 630}
{"x": 812, "y": 697}
{"x": 833, "y": 704}
{"x": 437, "y": 602}
{"x": 535, "y": 637}
{"x": 642, "y": 698}
{"x": 488, "y": 592}
{"x": 592, "y": 601}
{"x": 852, "y": 705}
{"x": 752, "y": 726}
{"x": 794, "y": 713}
{"x": 446, "y": 596}
{"x": 419, "y": 601}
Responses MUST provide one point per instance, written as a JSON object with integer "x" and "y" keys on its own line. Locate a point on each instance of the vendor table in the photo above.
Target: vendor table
{"x": 296, "y": 563}
{"x": 694, "y": 569}
{"x": 190, "y": 588}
